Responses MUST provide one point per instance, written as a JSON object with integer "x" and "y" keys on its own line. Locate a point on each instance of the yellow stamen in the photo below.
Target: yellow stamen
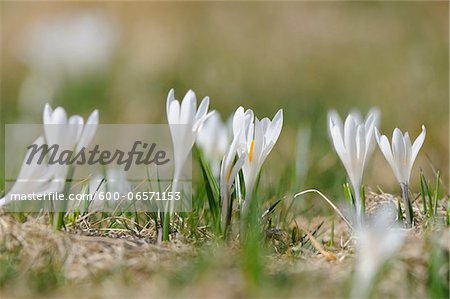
{"x": 250, "y": 154}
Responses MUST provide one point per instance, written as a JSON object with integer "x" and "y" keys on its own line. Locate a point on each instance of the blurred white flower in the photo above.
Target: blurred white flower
{"x": 185, "y": 122}
{"x": 214, "y": 139}
{"x": 354, "y": 143}
{"x": 376, "y": 243}
{"x": 37, "y": 178}
{"x": 115, "y": 182}
{"x": 62, "y": 48}
{"x": 256, "y": 141}
{"x": 69, "y": 45}
{"x": 402, "y": 155}
{"x": 228, "y": 172}
{"x": 68, "y": 133}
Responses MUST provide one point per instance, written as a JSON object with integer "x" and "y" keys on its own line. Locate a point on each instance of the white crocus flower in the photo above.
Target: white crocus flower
{"x": 68, "y": 133}
{"x": 214, "y": 139}
{"x": 401, "y": 157}
{"x": 185, "y": 122}
{"x": 256, "y": 141}
{"x": 228, "y": 173}
{"x": 354, "y": 143}
{"x": 37, "y": 178}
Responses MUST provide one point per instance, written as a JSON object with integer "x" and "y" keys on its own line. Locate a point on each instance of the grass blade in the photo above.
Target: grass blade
{"x": 212, "y": 191}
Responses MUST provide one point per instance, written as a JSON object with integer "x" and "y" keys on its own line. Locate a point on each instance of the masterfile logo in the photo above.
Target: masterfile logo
{"x": 123, "y": 168}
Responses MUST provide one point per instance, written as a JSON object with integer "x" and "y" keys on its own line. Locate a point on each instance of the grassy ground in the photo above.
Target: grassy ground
{"x": 89, "y": 260}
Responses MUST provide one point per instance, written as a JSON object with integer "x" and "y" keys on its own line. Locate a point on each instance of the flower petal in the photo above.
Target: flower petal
{"x": 203, "y": 108}
{"x": 350, "y": 136}
{"x": 256, "y": 148}
{"x": 373, "y": 118}
{"x": 59, "y": 116}
{"x": 88, "y": 131}
{"x": 417, "y": 145}
{"x": 339, "y": 146}
{"x": 274, "y": 130}
{"x": 372, "y": 121}
{"x": 75, "y": 127}
{"x": 238, "y": 120}
{"x": 408, "y": 146}
{"x": 170, "y": 99}
{"x": 399, "y": 154}
{"x": 334, "y": 120}
{"x": 47, "y": 114}
{"x": 188, "y": 108}
{"x": 198, "y": 124}
{"x": 173, "y": 113}
{"x": 385, "y": 148}
{"x": 236, "y": 168}
{"x": 360, "y": 143}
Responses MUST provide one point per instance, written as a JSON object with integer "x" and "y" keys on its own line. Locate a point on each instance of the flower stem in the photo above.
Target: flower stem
{"x": 358, "y": 206}
{"x": 58, "y": 217}
{"x": 166, "y": 226}
{"x": 407, "y": 203}
{"x": 169, "y": 208}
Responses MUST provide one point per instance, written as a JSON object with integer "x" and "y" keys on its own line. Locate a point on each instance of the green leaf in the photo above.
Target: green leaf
{"x": 212, "y": 190}
{"x": 436, "y": 193}
{"x": 430, "y": 198}
{"x": 399, "y": 211}
{"x": 423, "y": 192}
{"x": 349, "y": 196}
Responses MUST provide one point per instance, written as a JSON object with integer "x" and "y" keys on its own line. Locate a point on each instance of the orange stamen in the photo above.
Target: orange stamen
{"x": 250, "y": 155}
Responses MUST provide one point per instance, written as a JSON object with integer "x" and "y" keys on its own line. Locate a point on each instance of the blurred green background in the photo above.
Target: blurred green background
{"x": 306, "y": 57}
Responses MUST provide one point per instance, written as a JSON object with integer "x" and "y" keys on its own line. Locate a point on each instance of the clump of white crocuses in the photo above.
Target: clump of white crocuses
{"x": 401, "y": 157}
{"x": 185, "y": 122}
{"x": 354, "y": 142}
{"x": 213, "y": 140}
{"x": 69, "y": 133}
{"x": 256, "y": 140}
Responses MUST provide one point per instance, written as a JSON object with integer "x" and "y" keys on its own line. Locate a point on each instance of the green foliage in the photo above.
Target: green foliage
{"x": 438, "y": 274}
{"x": 8, "y": 269}
{"x": 212, "y": 192}
{"x": 430, "y": 196}
{"x": 46, "y": 276}
{"x": 349, "y": 196}
{"x": 251, "y": 235}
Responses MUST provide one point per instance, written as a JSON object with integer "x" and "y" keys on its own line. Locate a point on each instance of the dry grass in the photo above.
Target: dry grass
{"x": 38, "y": 261}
